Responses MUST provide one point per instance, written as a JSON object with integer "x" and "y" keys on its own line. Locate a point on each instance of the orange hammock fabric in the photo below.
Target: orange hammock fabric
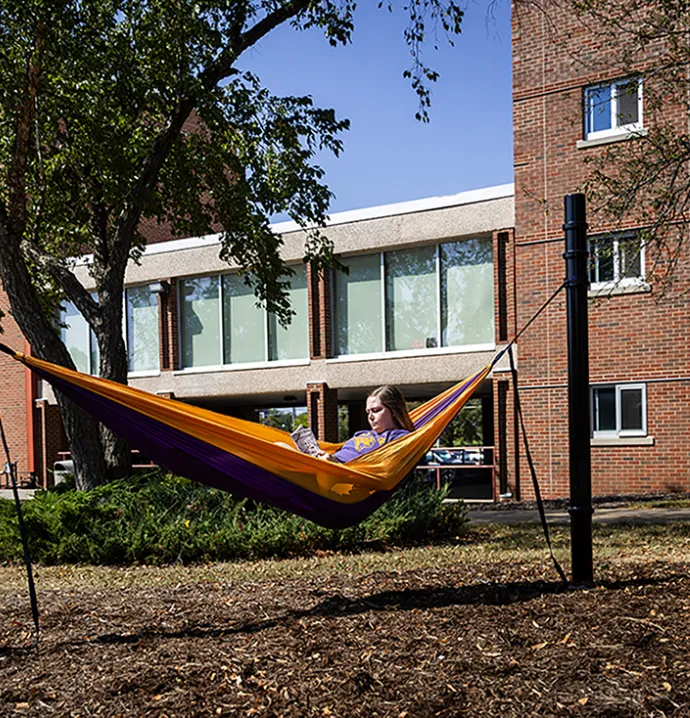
{"x": 243, "y": 457}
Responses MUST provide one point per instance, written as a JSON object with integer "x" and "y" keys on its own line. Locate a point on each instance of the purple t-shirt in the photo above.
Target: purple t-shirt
{"x": 365, "y": 441}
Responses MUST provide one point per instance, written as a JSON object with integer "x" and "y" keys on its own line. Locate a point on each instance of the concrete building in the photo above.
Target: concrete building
{"x": 418, "y": 309}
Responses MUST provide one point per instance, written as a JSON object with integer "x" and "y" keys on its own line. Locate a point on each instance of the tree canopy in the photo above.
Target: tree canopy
{"x": 113, "y": 112}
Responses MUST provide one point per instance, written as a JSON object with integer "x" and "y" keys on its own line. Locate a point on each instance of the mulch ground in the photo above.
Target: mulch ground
{"x": 494, "y": 640}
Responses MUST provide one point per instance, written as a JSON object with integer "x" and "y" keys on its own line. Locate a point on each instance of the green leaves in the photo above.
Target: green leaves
{"x": 141, "y": 111}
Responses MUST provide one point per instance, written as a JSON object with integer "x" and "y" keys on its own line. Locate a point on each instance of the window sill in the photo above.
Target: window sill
{"x": 143, "y": 374}
{"x": 618, "y": 137}
{"x": 608, "y": 290}
{"x": 248, "y": 366}
{"x": 624, "y": 441}
{"x": 411, "y": 353}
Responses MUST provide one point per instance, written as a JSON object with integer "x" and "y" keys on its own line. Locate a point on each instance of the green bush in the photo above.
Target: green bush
{"x": 158, "y": 518}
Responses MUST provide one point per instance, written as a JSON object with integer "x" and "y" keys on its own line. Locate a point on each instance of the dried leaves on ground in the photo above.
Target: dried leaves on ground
{"x": 498, "y": 639}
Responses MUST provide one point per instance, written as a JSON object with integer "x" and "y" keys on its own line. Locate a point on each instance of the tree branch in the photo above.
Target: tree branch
{"x": 209, "y": 78}
{"x": 66, "y": 279}
{"x": 16, "y": 180}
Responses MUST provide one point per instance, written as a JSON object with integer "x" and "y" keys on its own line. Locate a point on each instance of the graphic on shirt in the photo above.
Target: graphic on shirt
{"x": 366, "y": 441}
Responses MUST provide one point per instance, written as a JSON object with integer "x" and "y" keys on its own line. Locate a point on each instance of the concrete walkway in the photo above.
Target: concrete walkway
{"x": 603, "y": 515}
{"x": 24, "y": 494}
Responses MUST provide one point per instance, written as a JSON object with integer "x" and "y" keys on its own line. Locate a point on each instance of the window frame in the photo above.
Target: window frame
{"x": 266, "y": 361}
{"x": 616, "y": 238}
{"x": 439, "y": 347}
{"x": 125, "y": 332}
{"x": 619, "y": 432}
{"x": 615, "y": 129}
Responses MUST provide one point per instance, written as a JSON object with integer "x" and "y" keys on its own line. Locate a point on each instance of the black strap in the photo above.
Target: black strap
{"x": 528, "y": 454}
{"x": 498, "y": 356}
{"x": 10, "y": 470}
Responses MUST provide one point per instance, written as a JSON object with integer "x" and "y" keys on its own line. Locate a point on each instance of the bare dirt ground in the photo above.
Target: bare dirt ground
{"x": 465, "y": 630}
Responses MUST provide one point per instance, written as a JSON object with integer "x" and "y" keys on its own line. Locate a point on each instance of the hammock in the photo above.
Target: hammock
{"x": 242, "y": 456}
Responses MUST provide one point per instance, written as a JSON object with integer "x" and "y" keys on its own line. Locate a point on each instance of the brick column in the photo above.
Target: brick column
{"x": 506, "y": 440}
{"x": 322, "y": 407}
{"x": 504, "y": 284}
{"x": 320, "y": 333}
{"x": 50, "y": 440}
{"x": 168, "y": 328}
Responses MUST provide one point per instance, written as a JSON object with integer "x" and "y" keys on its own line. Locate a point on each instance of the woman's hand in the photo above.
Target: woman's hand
{"x": 326, "y": 456}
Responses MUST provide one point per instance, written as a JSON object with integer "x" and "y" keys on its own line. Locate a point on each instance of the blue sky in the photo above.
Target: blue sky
{"x": 389, "y": 156}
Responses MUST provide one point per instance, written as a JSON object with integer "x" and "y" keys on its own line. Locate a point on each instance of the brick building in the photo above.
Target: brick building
{"x": 435, "y": 286}
{"x": 571, "y": 101}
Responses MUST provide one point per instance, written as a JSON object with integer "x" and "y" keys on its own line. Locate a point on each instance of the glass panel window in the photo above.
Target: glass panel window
{"x": 357, "y": 306}
{"x": 599, "y": 106}
{"x": 142, "y": 329}
{"x": 616, "y": 259}
{"x": 244, "y": 323}
{"x": 467, "y": 292}
{"x": 292, "y": 342}
{"x": 74, "y": 333}
{"x": 80, "y": 341}
{"x": 628, "y": 104}
{"x": 619, "y": 410}
{"x": 200, "y": 321}
{"x": 411, "y": 299}
{"x": 604, "y": 409}
{"x": 631, "y": 403}
{"x": 613, "y": 107}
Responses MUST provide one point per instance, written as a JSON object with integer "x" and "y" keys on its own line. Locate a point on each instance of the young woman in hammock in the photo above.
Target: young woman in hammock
{"x": 388, "y": 418}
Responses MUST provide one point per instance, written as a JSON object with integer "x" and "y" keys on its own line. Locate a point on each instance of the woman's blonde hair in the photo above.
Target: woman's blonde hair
{"x": 392, "y": 398}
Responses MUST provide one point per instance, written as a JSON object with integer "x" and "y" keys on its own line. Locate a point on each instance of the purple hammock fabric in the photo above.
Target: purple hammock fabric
{"x": 195, "y": 459}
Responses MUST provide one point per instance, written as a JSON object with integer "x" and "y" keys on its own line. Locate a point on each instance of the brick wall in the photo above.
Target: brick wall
{"x": 633, "y": 337}
{"x": 168, "y": 327}
{"x": 320, "y": 331}
{"x": 14, "y": 398}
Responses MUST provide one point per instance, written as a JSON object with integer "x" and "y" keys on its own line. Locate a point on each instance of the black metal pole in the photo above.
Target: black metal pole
{"x": 580, "y": 508}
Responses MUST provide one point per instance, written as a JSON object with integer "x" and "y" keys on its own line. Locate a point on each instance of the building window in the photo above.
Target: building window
{"x": 619, "y": 410}
{"x": 79, "y": 339}
{"x": 141, "y": 322}
{"x": 221, "y": 324}
{"x": 244, "y": 326}
{"x": 616, "y": 260}
{"x": 415, "y": 299}
{"x": 467, "y": 292}
{"x": 411, "y": 299}
{"x": 357, "y": 306}
{"x": 200, "y": 320}
{"x": 613, "y": 108}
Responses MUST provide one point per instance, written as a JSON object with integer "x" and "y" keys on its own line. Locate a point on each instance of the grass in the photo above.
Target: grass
{"x": 521, "y": 543}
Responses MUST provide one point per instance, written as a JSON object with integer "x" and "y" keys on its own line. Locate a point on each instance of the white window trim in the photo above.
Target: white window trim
{"x": 125, "y": 335}
{"x": 619, "y": 433}
{"x": 412, "y": 353}
{"x": 218, "y": 368}
{"x": 615, "y": 129}
{"x": 618, "y": 281}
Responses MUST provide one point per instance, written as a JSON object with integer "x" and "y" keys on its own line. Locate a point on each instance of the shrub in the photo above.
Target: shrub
{"x": 158, "y": 518}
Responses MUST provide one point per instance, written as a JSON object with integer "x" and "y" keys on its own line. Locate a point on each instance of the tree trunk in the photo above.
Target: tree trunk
{"x": 113, "y": 366}
{"x": 81, "y": 429}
